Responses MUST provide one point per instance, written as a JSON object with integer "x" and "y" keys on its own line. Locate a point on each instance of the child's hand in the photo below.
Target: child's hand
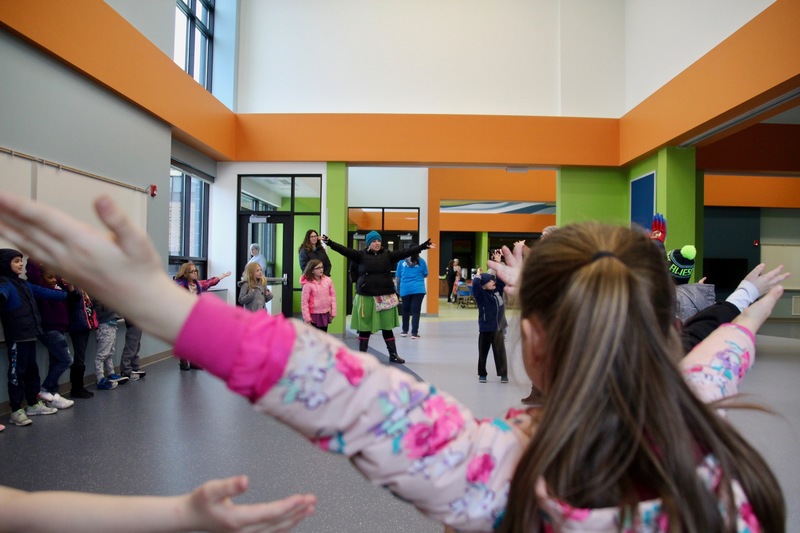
{"x": 765, "y": 282}
{"x": 210, "y": 508}
{"x": 754, "y": 316}
{"x": 509, "y": 271}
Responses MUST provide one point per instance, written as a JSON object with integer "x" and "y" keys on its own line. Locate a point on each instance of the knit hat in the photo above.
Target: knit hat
{"x": 6, "y": 256}
{"x": 373, "y": 236}
{"x": 486, "y": 278}
{"x": 681, "y": 264}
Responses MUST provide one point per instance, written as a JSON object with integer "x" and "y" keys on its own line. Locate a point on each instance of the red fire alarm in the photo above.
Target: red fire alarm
{"x": 153, "y": 190}
{"x": 755, "y": 243}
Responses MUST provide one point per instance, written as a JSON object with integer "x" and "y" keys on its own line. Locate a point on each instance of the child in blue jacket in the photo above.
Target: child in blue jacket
{"x": 21, "y": 325}
{"x": 488, "y": 292}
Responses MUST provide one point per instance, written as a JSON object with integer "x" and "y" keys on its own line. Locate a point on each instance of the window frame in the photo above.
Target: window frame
{"x": 195, "y": 24}
{"x": 201, "y": 258}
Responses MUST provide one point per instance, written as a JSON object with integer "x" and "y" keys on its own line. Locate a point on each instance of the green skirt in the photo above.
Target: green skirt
{"x": 366, "y": 318}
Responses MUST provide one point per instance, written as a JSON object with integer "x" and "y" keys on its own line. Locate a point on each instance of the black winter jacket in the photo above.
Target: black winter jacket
{"x": 375, "y": 268}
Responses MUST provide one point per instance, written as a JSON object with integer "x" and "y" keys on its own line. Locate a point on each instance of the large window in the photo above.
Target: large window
{"x": 194, "y": 38}
{"x": 188, "y": 221}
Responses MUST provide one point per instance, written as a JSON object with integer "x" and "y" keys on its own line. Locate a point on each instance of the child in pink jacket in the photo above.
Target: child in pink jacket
{"x": 319, "y": 296}
{"x": 624, "y": 440}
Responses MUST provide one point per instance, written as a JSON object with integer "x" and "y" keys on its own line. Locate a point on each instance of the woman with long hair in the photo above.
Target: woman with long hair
{"x": 311, "y": 248}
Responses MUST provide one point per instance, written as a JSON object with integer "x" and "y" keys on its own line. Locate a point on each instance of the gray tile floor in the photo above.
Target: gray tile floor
{"x": 172, "y": 430}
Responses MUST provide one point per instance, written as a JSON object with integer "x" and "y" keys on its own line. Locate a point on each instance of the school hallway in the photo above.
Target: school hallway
{"x": 173, "y": 430}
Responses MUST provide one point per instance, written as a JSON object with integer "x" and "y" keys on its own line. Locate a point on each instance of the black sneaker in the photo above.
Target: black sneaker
{"x": 140, "y": 373}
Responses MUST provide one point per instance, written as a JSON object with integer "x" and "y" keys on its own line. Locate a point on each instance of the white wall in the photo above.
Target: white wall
{"x": 663, "y": 38}
{"x": 594, "y": 58}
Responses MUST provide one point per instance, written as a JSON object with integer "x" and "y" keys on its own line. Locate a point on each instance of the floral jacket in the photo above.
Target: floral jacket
{"x": 406, "y": 435}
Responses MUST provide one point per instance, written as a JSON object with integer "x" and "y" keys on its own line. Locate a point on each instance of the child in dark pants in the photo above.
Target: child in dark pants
{"x": 21, "y": 326}
{"x": 488, "y": 292}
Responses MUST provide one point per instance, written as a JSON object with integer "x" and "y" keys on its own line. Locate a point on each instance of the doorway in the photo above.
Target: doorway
{"x": 273, "y": 234}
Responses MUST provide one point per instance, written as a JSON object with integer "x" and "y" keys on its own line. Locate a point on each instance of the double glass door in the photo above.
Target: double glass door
{"x": 273, "y": 235}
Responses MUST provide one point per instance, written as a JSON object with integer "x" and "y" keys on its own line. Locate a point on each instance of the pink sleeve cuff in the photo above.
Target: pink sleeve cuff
{"x": 247, "y": 350}
{"x": 743, "y": 329}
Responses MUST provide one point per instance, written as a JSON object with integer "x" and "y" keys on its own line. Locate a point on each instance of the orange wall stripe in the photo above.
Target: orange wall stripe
{"x": 751, "y": 191}
{"x": 491, "y": 184}
{"x": 495, "y": 222}
{"x": 427, "y": 139}
{"x": 92, "y": 38}
{"x": 751, "y": 67}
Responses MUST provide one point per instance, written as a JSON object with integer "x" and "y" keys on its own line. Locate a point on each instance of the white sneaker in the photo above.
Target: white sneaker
{"x": 19, "y": 418}
{"x": 59, "y": 402}
{"x": 39, "y": 409}
{"x": 45, "y": 396}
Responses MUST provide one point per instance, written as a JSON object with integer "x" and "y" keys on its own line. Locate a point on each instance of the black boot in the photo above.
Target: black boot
{"x": 392, "y": 347}
{"x": 76, "y": 379}
{"x": 184, "y": 364}
{"x": 363, "y": 344}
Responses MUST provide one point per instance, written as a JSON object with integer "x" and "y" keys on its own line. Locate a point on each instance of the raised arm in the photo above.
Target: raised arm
{"x": 116, "y": 263}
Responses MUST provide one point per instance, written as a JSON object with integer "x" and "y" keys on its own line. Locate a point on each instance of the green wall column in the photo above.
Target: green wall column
{"x": 336, "y": 205}
{"x": 481, "y": 250}
{"x": 592, "y": 194}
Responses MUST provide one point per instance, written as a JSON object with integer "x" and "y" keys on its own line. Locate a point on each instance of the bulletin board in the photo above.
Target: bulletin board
{"x": 643, "y": 200}
{"x": 787, "y": 255}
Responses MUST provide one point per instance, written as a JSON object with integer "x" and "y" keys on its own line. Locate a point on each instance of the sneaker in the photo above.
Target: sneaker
{"x": 45, "y": 396}
{"x": 140, "y": 373}
{"x": 40, "y": 409}
{"x": 19, "y": 418}
{"x": 503, "y": 379}
{"x": 81, "y": 393}
{"x": 116, "y": 378}
{"x": 59, "y": 402}
{"x": 134, "y": 377}
{"x": 2, "y": 427}
{"x": 403, "y": 334}
{"x": 184, "y": 365}
{"x": 415, "y": 336}
{"x": 481, "y": 379}
{"x": 105, "y": 384}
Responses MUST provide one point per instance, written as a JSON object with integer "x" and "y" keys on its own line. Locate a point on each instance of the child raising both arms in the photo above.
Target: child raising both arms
{"x": 627, "y": 438}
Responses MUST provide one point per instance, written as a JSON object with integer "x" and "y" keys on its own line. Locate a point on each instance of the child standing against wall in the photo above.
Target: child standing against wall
{"x": 106, "y": 337}
{"x": 488, "y": 292}
{"x": 21, "y": 326}
{"x": 319, "y": 296}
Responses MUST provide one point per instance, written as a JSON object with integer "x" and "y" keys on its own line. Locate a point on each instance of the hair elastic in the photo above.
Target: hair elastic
{"x": 601, "y": 254}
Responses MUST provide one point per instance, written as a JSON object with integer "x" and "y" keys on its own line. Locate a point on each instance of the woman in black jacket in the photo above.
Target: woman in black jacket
{"x": 375, "y": 303}
{"x": 312, "y": 249}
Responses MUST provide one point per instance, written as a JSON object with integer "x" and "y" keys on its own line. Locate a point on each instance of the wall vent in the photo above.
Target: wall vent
{"x": 795, "y": 305}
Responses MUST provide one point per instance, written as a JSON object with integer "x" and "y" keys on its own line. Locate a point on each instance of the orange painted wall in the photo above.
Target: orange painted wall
{"x": 485, "y": 185}
{"x": 92, "y": 38}
{"x": 428, "y": 139}
{"x": 751, "y": 191}
{"x": 756, "y": 64}
{"x": 388, "y": 220}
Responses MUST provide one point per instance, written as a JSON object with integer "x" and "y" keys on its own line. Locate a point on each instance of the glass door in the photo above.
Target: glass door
{"x": 273, "y": 235}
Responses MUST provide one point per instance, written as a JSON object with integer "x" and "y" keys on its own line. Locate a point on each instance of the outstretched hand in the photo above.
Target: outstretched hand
{"x": 510, "y": 270}
{"x": 211, "y": 509}
{"x": 765, "y": 282}
{"x": 754, "y": 316}
{"x": 120, "y": 266}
